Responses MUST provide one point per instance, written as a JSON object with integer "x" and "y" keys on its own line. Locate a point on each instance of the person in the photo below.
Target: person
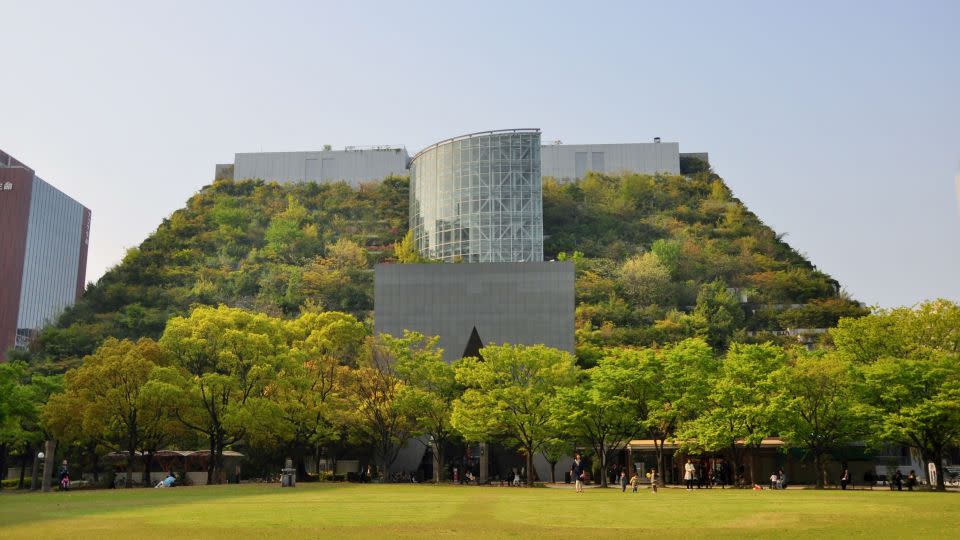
{"x": 167, "y": 482}
{"x": 911, "y": 480}
{"x": 578, "y": 472}
{"x": 773, "y": 480}
{"x": 897, "y": 481}
{"x": 653, "y": 479}
{"x": 516, "y": 478}
{"x": 64, "y": 476}
{"x": 781, "y": 480}
{"x": 635, "y": 482}
{"x": 845, "y": 479}
{"x": 470, "y": 477}
{"x": 623, "y": 480}
{"x": 456, "y": 475}
{"x": 688, "y": 470}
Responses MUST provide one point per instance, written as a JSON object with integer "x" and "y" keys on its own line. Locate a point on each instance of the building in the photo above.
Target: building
{"x": 470, "y": 305}
{"x": 567, "y": 162}
{"x": 478, "y": 198}
{"x": 43, "y": 239}
{"x": 352, "y": 165}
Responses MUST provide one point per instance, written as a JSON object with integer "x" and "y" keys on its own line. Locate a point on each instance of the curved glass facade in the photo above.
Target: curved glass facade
{"x": 478, "y": 198}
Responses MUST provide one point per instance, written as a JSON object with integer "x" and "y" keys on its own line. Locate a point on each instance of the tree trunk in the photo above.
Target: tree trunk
{"x": 553, "y": 472}
{"x": 213, "y": 450}
{"x": 603, "y": 468}
{"x": 661, "y": 474}
{"x": 4, "y": 451}
{"x": 439, "y": 472}
{"x": 35, "y": 473}
{"x": 818, "y": 467}
{"x": 938, "y": 466}
{"x": 51, "y": 449}
{"x": 27, "y": 450}
{"x": 129, "y": 482}
{"x": 147, "y": 458}
{"x": 529, "y": 467}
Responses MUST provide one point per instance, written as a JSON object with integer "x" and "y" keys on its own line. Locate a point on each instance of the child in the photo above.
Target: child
{"x": 652, "y": 475}
{"x": 635, "y": 482}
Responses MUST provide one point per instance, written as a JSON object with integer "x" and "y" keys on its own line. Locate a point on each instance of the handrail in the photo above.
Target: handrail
{"x": 470, "y": 135}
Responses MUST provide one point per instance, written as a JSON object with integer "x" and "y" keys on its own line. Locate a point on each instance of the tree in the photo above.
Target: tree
{"x": 910, "y": 360}
{"x": 381, "y": 418}
{"x": 509, "y": 395}
{"x": 553, "y": 450}
{"x": 645, "y": 279}
{"x": 720, "y": 308}
{"x": 406, "y": 250}
{"x": 679, "y": 375}
{"x": 226, "y": 358}
{"x": 312, "y": 388}
{"x": 430, "y": 388}
{"x": 916, "y": 402}
{"x": 817, "y": 406}
{"x": 107, "y": 399}
{"x": 738, "y": 408}
{"x": 596, "y": 412}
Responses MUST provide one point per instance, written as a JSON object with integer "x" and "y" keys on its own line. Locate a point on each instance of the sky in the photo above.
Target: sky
{"x": 837, "y": 123}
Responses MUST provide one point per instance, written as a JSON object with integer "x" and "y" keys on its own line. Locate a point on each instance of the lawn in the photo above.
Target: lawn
{"x": 418, "y": 511}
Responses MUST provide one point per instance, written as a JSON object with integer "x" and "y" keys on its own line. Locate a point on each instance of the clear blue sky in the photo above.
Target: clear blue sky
{"x": 838, "y": 123}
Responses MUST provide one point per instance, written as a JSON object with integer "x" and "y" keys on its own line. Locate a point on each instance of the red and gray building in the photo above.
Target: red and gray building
{"x": 43, "y": 253}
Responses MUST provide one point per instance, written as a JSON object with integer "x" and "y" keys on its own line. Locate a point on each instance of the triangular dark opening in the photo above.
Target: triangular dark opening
{"x": 474, "y": 344}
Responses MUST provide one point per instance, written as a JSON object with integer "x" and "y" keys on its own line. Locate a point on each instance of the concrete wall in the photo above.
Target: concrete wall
{"x": 567, "y": 162}
{"x": 351, "y": 166}
{"x": 517, "y": 303}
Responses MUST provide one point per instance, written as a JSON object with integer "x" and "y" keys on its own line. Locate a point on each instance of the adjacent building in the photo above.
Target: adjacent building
{"x": 43, "y": 239}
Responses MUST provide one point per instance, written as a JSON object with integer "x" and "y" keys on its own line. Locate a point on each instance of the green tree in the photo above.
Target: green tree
{"x": 679, "y": 375}
{"x": 738, "y": 408}
{"x": 312, "y": 389}
{"x": 720, "y": 308}
{"x": 226, "y": 358}
{"x": 509, "y": 395}
{"x": 596, "y": 412}
{"x": 818, "y": 407}
{"x": 107, "y": 400}
{"x": 430, "y": 388}
{"x": 381, "y": 419}
{"x": 645, "y": 279}
{"x": 406, "y": 250}
{"x": 910, "y": 361}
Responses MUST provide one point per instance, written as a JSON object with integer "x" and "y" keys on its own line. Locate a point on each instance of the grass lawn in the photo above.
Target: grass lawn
{"x": 418, "y": 511}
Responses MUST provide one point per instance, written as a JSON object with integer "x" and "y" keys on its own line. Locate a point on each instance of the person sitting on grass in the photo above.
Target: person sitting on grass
{"x": 169, "y": 481}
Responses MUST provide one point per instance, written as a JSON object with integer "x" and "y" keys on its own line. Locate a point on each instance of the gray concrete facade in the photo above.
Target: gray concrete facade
{"x": 567, "y": 162}
{"x": 353, "y": 165}
{"x": 519, "y": 303}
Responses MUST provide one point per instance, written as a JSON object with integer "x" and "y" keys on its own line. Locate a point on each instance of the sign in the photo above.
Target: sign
{"x": 6, "y": 186}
